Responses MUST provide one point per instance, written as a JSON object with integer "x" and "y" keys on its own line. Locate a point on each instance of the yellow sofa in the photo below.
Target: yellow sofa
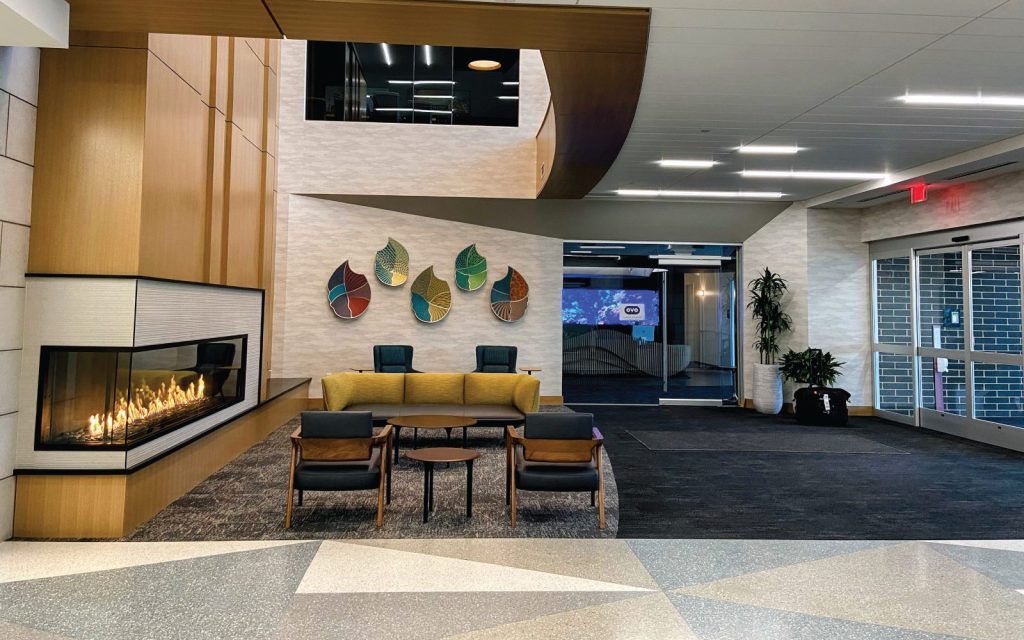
{"x": 502, "y": 398}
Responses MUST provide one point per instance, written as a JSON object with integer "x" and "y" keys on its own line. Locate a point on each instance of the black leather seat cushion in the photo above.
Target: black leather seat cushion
{"x": 339, "y": 476}
{"x": 551, "y": 476}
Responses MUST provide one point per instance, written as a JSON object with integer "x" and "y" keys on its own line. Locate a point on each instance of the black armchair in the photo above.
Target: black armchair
{"x": 557, "y": 452}
{"x": 337, "y": 451}
{"x": 392, "y": 358}
{"x": 496, "y": 359}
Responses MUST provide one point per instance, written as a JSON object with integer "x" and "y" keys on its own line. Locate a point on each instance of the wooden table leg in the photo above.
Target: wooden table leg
{"x": 426, "y": 491}
{"x": 469, "y": 488}
{"x": 431, "y": 487}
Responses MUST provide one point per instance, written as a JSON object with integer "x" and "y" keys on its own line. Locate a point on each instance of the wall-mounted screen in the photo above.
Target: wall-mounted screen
{"x": 610, "y": 306}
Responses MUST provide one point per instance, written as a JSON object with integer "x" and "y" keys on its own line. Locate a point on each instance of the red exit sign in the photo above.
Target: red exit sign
{"x": 918, "y": 193}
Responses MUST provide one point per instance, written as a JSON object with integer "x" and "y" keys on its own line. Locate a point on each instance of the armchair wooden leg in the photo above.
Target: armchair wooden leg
{"x": 514, "y": 501}
{"x": 508, "y": 472}
{"x": 291, "y": 489}
{"x": 380, "y": 502}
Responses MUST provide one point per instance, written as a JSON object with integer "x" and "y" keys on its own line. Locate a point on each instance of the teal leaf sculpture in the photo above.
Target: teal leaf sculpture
{"x": 470, "y": 269}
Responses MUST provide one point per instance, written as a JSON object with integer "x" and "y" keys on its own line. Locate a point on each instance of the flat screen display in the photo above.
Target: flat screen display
{"x": 610, "y": 306}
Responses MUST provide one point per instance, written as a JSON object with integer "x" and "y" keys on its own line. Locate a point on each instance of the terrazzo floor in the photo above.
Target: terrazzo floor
{"x": 513, "y": 588}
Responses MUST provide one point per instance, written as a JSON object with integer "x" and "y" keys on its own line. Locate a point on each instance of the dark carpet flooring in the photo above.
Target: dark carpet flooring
{"x": 942, "y": 488}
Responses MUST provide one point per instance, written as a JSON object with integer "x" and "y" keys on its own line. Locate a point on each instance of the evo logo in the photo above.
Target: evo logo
{"x": 631, "y": 312}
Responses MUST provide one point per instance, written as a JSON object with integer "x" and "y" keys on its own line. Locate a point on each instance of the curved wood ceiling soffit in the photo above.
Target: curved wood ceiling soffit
{"x": 594, "y": 56}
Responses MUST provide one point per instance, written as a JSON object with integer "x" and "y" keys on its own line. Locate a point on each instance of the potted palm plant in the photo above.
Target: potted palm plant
{"x": 817, "y": 403}
{"x": 765, "y": 305}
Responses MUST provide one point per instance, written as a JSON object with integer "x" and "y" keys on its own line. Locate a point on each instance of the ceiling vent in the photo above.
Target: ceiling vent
{"x": 883, "y": 195}
{"x": 977, "y": 171}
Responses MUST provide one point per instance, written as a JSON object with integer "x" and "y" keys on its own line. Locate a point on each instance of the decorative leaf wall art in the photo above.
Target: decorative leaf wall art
{"x": 510, "y": 296}
{"x": 431, "y": 297}
{"x": 391, "y": 265}
{"x": 470, "y": 269}
{"x": 348, "y": 292}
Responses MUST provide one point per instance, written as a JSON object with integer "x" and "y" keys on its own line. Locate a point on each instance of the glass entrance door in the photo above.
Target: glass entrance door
{"x": 970, "y": 336}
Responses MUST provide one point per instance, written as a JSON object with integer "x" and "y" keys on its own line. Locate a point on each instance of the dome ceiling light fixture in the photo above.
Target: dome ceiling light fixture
{"x": 485, "y": 65}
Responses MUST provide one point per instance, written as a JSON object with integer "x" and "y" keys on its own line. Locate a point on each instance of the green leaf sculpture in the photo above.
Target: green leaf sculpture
{"x": 392, "y": 264}
{"x": 470, "y": 269}
{"x": 431, "y": 297}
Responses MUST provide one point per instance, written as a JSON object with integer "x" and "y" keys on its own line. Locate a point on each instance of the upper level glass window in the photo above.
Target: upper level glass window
{"x": 417, "y": 84}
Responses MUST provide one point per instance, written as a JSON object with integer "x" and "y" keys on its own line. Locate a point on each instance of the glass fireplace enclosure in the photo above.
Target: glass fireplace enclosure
{"x": 117, "y": 398}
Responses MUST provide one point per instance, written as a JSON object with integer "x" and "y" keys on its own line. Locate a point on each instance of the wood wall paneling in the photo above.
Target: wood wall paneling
{"x": 133, "y": 40}
{"x": 247, "y": 93}
{"x": 220, "y": 73}
{"x": 174, "y": 226}
{"x": 244, "y": 216}
{"x": 188, "y": 56}
{"x": 591, "y": 92}
{"x": 202, "y": 17}
{"x": 217, "y": 185}
{"x": 87, "y": 191}
{"x": 468, "y": 24}
{"x": 69, "y": 506}
{"x": 545, "y": 147}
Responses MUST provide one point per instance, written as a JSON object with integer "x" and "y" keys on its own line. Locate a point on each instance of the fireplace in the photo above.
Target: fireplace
{"x": 118, "y": 398}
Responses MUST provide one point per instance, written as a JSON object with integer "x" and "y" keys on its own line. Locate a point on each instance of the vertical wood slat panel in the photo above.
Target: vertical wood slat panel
{"x": 173, "y": 234}
{"x": 87, "y": 192}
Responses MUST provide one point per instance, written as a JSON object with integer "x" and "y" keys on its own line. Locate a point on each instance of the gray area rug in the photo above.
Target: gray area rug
{"x": 796, "y": 441}
{"x": 246, "y": 500}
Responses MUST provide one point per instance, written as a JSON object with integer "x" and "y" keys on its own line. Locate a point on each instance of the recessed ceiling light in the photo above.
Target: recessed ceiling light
{"x": 510, "y": 84}
{"x": 769, "y": 149}
{"x": 387, "y": 53}
{"x": 485, "y": 65}
{"x": 427, "y": 55}
{"x": 975, "y": 100}
{"x": 816, "y": 175}
{"x": 687, "y": 164}
{"x": 508, "y": 97}
{"x": 408, "y": 109}
{"x": 424, "y": 96}
{"x": 602, "y": 246}
{"x": 419, "y": 82}
{"x": 574, "y": 251}
{"x": 675, "y": 193}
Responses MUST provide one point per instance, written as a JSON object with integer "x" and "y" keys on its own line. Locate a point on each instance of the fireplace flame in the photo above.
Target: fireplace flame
{"x": 145, "y": 403}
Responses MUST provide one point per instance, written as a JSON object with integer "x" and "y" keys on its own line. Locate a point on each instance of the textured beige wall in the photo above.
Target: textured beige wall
{"x": 820, "y": 255}
{"x": 405, "y": 159}
{"x": 19, "y": 85}
{"x": 993, "y": 200}
{"x": 309, "y": 340}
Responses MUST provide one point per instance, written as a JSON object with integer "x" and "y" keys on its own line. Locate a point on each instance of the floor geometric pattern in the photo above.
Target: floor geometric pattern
{"x": 507, "y": 589}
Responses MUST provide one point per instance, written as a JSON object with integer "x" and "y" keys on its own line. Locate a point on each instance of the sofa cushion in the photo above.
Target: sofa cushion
{"x": 433, "y": 410}
{"x": 379, "y": 410}
{"x": 491, "y": 388}
{"x": 339, "y": 476}
{"x": 434, "y": 388}
{"x": 378, "y": 388}
{"x": 494, "y": 412}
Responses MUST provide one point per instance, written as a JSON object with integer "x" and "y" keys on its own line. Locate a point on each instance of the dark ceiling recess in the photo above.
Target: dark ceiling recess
{"x": 973, "y": 172}
{"x": 882, "y": 196}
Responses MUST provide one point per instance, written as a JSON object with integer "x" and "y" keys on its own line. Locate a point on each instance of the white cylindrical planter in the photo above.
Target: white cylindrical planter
{"x": 767, "y": 388}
